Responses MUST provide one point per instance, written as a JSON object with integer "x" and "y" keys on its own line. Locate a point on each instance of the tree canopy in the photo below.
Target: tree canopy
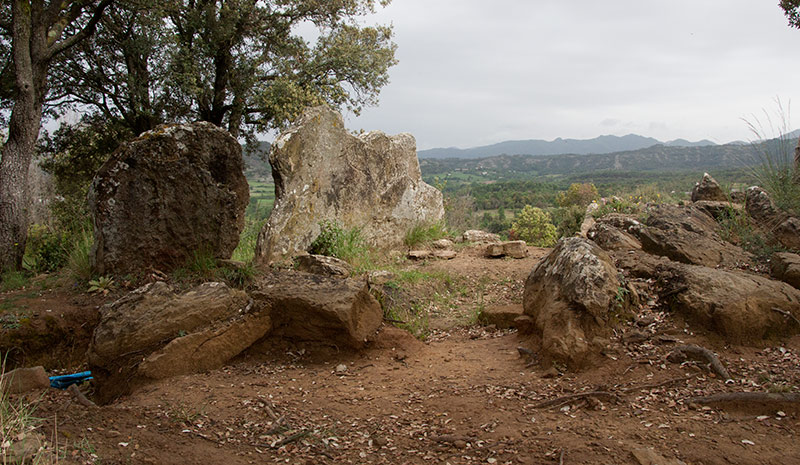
{"x": 791, "y": 8}
{"x": 245, "y": 65}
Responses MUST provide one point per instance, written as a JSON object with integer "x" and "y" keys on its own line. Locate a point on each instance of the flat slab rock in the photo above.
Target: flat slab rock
{"x": 736, "y": 305}
{"x": 311, "y": 307}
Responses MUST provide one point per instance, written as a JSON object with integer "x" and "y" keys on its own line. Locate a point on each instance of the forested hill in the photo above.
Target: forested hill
{"x": 656, "y": 158}
{"x": 602, "y": 144}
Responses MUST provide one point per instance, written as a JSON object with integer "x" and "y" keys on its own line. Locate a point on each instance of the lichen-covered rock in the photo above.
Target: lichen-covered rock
{"x": 155, "y": 332}
{"x": 610, "y": 238}
{"x": 788, "y": 233}
{"x": 322, "y": 172}
{"x": 572, "y": 296}
{"x": 718, "y": 210}
{"x": 687, "y": 235}
{"x": 165, "y": 195}
{"x": 309, "y": 307}
{"x": 708, "y": 189}
{"x": 738, "y": 306}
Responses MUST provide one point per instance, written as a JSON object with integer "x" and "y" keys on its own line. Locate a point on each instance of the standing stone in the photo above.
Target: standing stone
{"x": 322, "y": 172}
{"x": 165, "y": 195}
{"x": 708, "y": 189}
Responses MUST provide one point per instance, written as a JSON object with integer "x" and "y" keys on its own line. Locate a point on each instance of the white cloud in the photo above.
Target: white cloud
{"x": 473, "y": 72}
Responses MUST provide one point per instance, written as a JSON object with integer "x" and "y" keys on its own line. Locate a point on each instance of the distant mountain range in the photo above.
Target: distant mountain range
{"x": 598, "y": 145}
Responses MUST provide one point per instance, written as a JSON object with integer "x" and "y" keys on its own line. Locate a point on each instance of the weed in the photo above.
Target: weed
{"x": 79, "y": 266}
{"x": 736, "y": 227}
{"x": 17, "y": 423}
{"x": 12, "y": 280}
{"x": 186, "y": 414}
{"x": 246, "y": 249}
{"x": 415, "y": 320}
{"x": 239, "y": 276}
{"x": 424, "y": 233}
{"x": 777, "y": 172}
{"x": 101, "y": 285}
{"x": 346, "y": 244}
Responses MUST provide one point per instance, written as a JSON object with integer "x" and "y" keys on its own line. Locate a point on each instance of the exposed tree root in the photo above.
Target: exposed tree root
{"x": 764, "y": 398}
{"x": 696, "y": 352}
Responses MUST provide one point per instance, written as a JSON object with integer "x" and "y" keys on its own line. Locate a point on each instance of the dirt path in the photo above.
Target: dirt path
{"x": 466, "y": 396}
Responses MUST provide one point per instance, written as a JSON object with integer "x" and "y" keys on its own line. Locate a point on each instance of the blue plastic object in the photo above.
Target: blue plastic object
{"x": 65, "y": 381}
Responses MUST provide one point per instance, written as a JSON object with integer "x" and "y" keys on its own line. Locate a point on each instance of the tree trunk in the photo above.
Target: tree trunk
{"x": 797, "y": 162}
{"x": 30, "y": 73}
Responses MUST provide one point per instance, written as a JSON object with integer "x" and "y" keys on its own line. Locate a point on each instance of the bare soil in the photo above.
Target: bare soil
{"x": 465, "y": 395}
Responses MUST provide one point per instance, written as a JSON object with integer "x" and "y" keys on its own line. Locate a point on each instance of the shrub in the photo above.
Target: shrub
{"x": 459, "y": 213}
{"x": 578, "y": 194}
{"x": 568, "y": 220}
{"x": 535, "y": 226}
{"x": 79, "y": 267}
{"x": 246, "y": 249}
{"x": 47, "y": 250}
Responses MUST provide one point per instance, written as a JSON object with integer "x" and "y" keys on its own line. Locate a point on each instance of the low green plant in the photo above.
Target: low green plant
{"x": 777, "y": 172}
{"x": 102, "y": 285}
{"x": 245, "y": 250}
{"x": 415, "y": 320}
{"x": 424, "y": 233}
{"x": 345, "y": 244}
{"x": 617, "y": 205}
{"x": 568, "y": 220}
{"x": 239, "y": 276}
{"x": 12, "y": 280}
{"x": 203, "y": 263}
{"x": 736, "y": 227}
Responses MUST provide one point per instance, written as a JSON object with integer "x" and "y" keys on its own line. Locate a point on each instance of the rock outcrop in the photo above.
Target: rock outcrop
{"x": 166, "y": 195}
{"x": 324, "y": 265}
{"x": 784, "y": 228}
{"x": 738, "y": 306}
{"x": 687, "y": 235}
{"x": 785, "y": 266}
{"x": 573, "y": 296}
{"x": 708, "y": 189}
{"x": 322, "y": 172}
{"x": 309, "y": 307}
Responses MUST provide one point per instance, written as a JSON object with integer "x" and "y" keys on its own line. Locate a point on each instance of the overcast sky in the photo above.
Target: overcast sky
{"x": 474, "y": 72}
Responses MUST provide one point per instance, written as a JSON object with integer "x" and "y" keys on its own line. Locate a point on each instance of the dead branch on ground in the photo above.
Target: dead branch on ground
{"x": 701, "y": 354}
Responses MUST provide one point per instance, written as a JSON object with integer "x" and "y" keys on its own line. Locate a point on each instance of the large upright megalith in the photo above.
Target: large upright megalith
{"x": 322, "y": 172}
{"x": 166, "y": 195}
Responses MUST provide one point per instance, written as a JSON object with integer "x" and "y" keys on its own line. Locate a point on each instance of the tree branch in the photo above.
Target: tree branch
{"x": 87, "y": 30}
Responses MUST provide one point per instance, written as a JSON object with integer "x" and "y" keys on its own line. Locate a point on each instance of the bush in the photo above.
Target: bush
{"x": 568, "y": 220}
{"x": 535, "y": 226}
{"x": 46, "y": 250}
{"x": 578, "y": 194}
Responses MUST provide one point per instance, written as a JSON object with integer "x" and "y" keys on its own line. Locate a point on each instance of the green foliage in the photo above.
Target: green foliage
{"x": 791, "y": 8}
{"x": 47, "y": 249}
{"x": 616, "y": 205}
{"x": 568, "y": 220}
{"x": 578, "y": 194}
{"x": 102, "y": 285}
{"x": 776, "y": 172}
{"x": 72, "y": 155}
{"x": 737, "y": 227}
{"x": 245, "y": 250}
{"x": 424, "y": 233}
{"x": 79, "y": 266}
{"x": 346, "y": 244}
{"x": 239, "y": 64}
{"x": 12, "y": 280}
{"x": 535, "y": 226}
